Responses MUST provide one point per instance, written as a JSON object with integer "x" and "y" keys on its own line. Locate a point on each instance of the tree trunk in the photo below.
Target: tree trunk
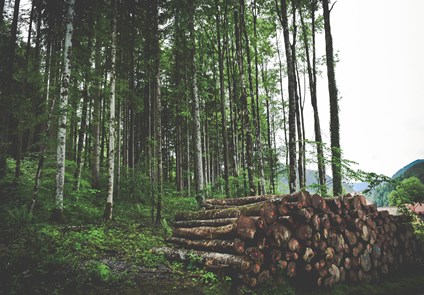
{"x": 112, "y": 121}
{"x": 336, "y": 161}
{"x": 292, "y": 96}
{"x": 313, "y": 92}
{"x": 283, "y": 103}
{"x": 256, "y": 112}
{"x": 238, "y": 21}
{"x": 223, "y": 102}
{"x": 197, "y": 140}
{"x": 157, "y": 113}
{"x": 95, "y": 162}
{"x": 2, "y": 2}
{"x": 81, "y": 137}
{"x": 63, "y": 108}
{"x": 45, "y": 135}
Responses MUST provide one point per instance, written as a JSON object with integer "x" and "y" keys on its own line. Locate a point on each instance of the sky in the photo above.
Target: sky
{"x": 380, "y": 44}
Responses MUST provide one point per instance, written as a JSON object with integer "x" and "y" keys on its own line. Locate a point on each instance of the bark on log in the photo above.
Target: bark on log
{"x": 243, "y": 201}
{"x": 244, "y": 227}
{"x": 230, "y": 212}
{"x": 207, "y": 222}
{"x": 209, "y": 259}
{"x": 236, "y": 246}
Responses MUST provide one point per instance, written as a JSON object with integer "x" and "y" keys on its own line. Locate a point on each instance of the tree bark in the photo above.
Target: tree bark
{"x": 209, "y": 259}
{"x": 248, "y": 210}
{"x": 2, "y": 2}
{"x": 235, "y": 246}
{"x": 81, "y": 137}
{"x": 112, "y": 122}
{"x": 223, "y": 101}
{"x": 292, "y": 96}
{"x": 336, "y": 161}
{"x": 313, "y": 92}
{"x": 238, "y": 21}
{"x": 95, "y": 162}
{"x": 197, "y": 140}
{"x": 63, "y": 109}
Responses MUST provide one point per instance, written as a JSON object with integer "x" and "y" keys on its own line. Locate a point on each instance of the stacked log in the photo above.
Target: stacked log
{"x": 304, "y": 237}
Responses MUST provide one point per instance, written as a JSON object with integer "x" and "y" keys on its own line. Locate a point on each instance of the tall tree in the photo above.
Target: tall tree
{"x": 112, "y": 121}
{"x": 63, "y": 109}
{"x": 223, "y": 102}
{"x": 336, "y": 162}
{"x": 239, "y": 21}
{"x": 197, "y": 141}
{"x": 157, "y": 113}
{"x": 312, "y": 76}
{"x": 292, "y": 93}
{"x": 2, "y": 2}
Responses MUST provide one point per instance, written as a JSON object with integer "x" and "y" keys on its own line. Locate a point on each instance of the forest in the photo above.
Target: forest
{"x": 117, "y": 114}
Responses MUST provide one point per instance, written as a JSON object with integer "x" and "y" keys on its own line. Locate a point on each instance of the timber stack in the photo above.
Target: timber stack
{"x": 304, "y": 237}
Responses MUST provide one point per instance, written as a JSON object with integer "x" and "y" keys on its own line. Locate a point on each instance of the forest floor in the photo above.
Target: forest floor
{"x": 85, "y": 255}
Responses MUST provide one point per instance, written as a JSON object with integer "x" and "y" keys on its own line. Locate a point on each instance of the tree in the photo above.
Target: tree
{"x": 336, "y": 161}
{"x": 63, "y": 109}
{"x": 197, "y": 141}
{"x": 223, "y": 100}
{"x": 409, "y": 191}
{"x": 292, "y": 94}
{"x": 239, "y": 25}
{"x": 112, "y": 121}
{"x": 312, "y": 75}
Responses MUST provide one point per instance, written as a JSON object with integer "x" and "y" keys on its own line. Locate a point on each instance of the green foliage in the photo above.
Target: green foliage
{"x": 19, "y": 216}
{"x": 166, "y": 227}
{"x": 409, "y": 191}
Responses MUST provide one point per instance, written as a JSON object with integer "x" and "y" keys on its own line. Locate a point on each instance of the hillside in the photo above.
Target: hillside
{"x": 415, "y": 168}
{"x": 311, "y": 179}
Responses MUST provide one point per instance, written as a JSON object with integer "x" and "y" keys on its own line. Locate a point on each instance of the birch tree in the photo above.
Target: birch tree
{"x": 63, "y": 108}
{"x": 112, "y": 122}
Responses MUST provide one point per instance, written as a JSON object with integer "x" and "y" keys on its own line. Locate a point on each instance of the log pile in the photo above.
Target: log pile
{"x": 302, "y": 236}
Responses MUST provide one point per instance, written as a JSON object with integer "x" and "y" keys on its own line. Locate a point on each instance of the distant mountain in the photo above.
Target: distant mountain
{"x": 311, "y": 179}
{"x": 360, "y": 186}
{"x": 415, "y": 168}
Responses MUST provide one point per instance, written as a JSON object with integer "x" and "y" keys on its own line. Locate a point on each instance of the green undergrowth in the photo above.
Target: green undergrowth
{"x": 85, "y": 255}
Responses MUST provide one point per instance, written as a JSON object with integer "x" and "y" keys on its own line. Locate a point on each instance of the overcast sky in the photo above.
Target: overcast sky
{"x": 380, "y": 80}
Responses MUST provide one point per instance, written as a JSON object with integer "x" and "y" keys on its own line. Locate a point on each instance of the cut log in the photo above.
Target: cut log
{"x": 316, "y": 222}
{"x": 243, "y": 201}
{"x": 319, "y": 203}
{"x": 207, "y": 222}
{"x": 207, "y": 232}
{"x": 233, "y": 247}
{"x": 308, "y": 255}
{"x": 264, "y": 277}
{"x": 304, "y": 232}
{"x": 244, "y": 227}
{"x": 291, "y": 269}
{"x": 230, "y": 212}
{"x": 324, "y": 240}
{"x": 268, "y": 212}
{"x": 209, "y": 259}
{"x": 294, "y": 245}
{"x": 279, "y": 233}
